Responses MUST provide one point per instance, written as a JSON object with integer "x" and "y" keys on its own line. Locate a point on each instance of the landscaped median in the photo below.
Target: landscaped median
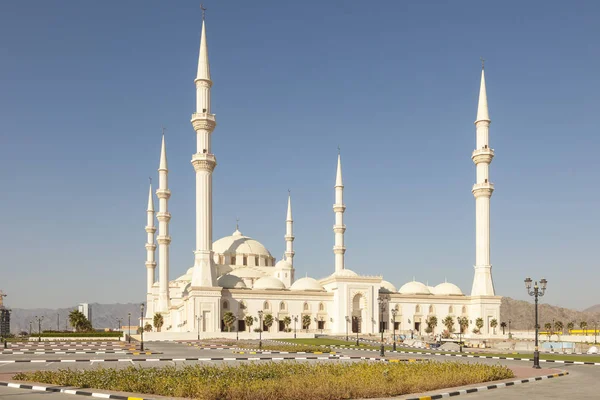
{"x": 282, "y": 381}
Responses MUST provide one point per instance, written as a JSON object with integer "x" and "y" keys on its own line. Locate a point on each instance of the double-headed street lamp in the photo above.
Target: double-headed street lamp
{"x": 595, "y": 332}
{"x": 347, "y": 321}
{"x": 295, "y": 320}
{"x": 382, "y": 300}
{"x": 260, "y": 317}
{"x": 39, "y": 321}
{"x": 198, "y": 319}
{"x": 394, "y": 312}
{"x": 358, "y": 318}
{"x": 538, "y": 291}
{"x": 129, "y": 327}
{"x": 142, "y": 323}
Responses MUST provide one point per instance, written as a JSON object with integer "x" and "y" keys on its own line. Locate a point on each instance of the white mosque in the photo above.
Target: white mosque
{"x": 238, "y": 274}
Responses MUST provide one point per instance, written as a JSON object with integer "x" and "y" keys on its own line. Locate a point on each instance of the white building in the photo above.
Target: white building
{"x": 86, "y": 310}
{"x": 238, "y": 274}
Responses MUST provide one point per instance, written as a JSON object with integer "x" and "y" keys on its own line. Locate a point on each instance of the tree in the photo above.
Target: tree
{"x": 463, "y": 322}
{"x": 249, "y": 321}
{"x": 431, "y": 322}
{"x": 78, "y": 321}
{"x": 548, "y": 327}
{"x": 494, "y": 324}
{"x": 287, "y": 321}
{"x": 268, "y": 321}
{"x": 228, "y": 320}
{"x": 478, "y": 325}
{"x": 570, "y": 326}
{"x": 558, "y": 328}
{"x": 148, "y": 327}
{"x": 503, "y": 326}
{"x": 306, "y": 322}
{"x": 158, "y": 321}
{"x": 583, "y": 325}
{"x": 449, "y": 323}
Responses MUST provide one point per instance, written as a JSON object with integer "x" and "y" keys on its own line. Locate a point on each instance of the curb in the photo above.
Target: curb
{"x": 78, "y": 352}
{"x": 431, "y": 397}
{"x": 488, "y": 387}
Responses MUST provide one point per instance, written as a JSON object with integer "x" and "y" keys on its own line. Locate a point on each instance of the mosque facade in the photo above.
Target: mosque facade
{"x": 237, "y": 274}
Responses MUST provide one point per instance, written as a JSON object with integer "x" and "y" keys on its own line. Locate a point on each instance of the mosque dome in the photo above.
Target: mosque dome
{"x": 448, "y": 289}
{"x": 283, "y": 263}
{"x": 269, "y": 283}
{"x": 344, "y": 273}
{"x": 238, "y": 244}
{"x": 431, "y": 289}
{"x": 231, "y": 282}
{"x": 414, "y": 287}
{"x": 247, "y": 272}
{"x": 388, "y": 287}
{"x": 306, "y": 284}
{"x": 187, "y": 276}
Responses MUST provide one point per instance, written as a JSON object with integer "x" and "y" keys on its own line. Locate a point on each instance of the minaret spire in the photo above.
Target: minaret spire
{"x": 482, "y": 190}
{"x": 289, "y": 233}
{"x": 204, "y": 162}
{"x": 164, "y": 240}
{"x": 150, "y": 245}
{"x": 338, "y": 208}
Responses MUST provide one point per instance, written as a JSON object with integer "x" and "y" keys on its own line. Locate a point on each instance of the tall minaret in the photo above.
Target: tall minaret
{"x": 204, "y": 163}
{"x": 289, "y": 233}
{"x": 339, "y": 228}
{"x": 482, "y": 190}
{"x": 150, "y": 245}
{"x": 163, "y": 238}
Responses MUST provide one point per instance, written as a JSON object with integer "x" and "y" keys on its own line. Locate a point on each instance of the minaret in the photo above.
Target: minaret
{"x": 150, "y": 245}
{"x": 204, "y": 163}
{"x": 289, "y": 233}
{"x": 482, "y": 190}
{"x": 163, "y": 238}
{"x": 339, "y": 228}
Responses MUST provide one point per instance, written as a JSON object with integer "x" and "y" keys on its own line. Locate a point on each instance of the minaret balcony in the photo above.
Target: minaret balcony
{"x": 483, "y": 189}
{"x": 483, "y": 155}
{"x": 203, "y": 121}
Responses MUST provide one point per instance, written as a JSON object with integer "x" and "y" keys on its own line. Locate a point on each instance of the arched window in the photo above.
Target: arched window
{"x": 232, "y": 260}
{"x": 321, "y": 307}
{"x": 306, "y": 308}
{"x": 226, "y": 305}
{"x": 450, "y": 310}
{"x": 282, "y": 306}
{"x": 464, "y": 309}
{"x": 418, "y": 309}
{"x": 266, "y": 305}
{"x": 245, "y": 260}
{"x": 431, "y": 309}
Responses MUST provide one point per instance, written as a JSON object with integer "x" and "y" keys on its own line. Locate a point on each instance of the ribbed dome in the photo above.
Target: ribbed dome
{"x": 269, "y": 283}
{"x": 307, "y": 284}
{"x": 240, "y": 244}
{"x": 387, "y": 286}
{"x": 448, "y": 289}
{"x": 414, "y": 287}
{"x": 344, "y": 272}
{"x": 231, "y": 282}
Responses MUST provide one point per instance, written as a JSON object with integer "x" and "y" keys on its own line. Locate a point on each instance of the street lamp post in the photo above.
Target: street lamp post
{"x": 538, "y": 291}
{"x": 237, "y": 329}
{"x": 295, "y": 320}
{"x": 57, "y": 322}
{"x": 509, "y": 321}
{"x": 128, "y": 327}
{"x": 394, "y": 312}
{"x": 595, "y": 332}
{"x": 347, "y": 321}
{"x": 382, "y": 300}
{"x": 30, "y": 324}
{"x": 119, "y": 320}
{"x": 357, "y": 329}
{"x": 198, "y": 319}
{"x": 39, "y": 321}
{"x": 260, "y": 317}
{"x": 142, "y": 323}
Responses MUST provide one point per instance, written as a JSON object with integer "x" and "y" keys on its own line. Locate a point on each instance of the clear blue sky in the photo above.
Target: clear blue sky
{"x": 86, "y": 86}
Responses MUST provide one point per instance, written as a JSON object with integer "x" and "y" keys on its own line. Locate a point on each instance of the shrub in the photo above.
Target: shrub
{"x": 78, "y": 334}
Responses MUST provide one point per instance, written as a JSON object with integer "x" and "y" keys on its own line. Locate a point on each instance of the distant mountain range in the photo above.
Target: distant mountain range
{"x": 520, "y": 313}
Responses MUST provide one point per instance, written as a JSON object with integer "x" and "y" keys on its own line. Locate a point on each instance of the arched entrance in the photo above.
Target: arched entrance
{"x": 358, "y": 309}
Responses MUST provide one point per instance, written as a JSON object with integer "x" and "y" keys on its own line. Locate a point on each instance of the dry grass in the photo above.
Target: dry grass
{"x": 278, "y": 381}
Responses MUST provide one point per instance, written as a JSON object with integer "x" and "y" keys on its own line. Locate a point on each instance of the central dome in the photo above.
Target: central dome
{"x": 238, "y": 249}
{"x": 414, "y": 287}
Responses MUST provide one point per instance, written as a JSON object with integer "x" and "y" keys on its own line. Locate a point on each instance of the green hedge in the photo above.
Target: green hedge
{"x": 78, "y": 334}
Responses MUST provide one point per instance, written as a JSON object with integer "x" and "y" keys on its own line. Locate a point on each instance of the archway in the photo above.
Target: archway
{"x": 358, "y": 308}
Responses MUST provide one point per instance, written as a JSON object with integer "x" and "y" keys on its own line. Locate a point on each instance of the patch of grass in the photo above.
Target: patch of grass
{"x": 327, "y": 342}
{"x": 288, "y": 348}
{"x": 281, "y": 381}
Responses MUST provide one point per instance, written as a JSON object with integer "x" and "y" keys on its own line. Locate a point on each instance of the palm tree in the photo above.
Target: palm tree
{"x": 249, "y": 321}
{"x": 463, "y": 322}
{"x": 583, "y": 325}
{"x": 431, "y": 322}
{"x": 503, "y": 326}
{"x": 306, "y": 322}
{"x": 449, "y": 323}
{"x": 78, "y": 321}
{"x": 570, "y": 326}
{"x": 494, "y": 324}
{"x": 548, "y": 327}
{"x": 158, "y": 321}
{"x": 228, "y": 320}
{"x": 287, "y": 321}
{"x": 148, "y": 327}
{"x": 558, "y": 328}
{"x": 479, "y": 324}
{"x": 268, "y": 321}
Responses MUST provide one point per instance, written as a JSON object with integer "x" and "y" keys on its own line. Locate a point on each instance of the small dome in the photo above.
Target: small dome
{"x": 283, "y": 264}
{"x": 187, "y": 276}
{"x": 388, "y": 287}
{"x": 414, "y": 287}
{"x": 447, "y": 289}
{"x": 240, "y": 244}
{"x": 307, "y": 284}
{"x": 247, "y": 272}
{"x": 269, "y": 283}
{"x": 344, "y": 272}
{"x": 231, "y": 282}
